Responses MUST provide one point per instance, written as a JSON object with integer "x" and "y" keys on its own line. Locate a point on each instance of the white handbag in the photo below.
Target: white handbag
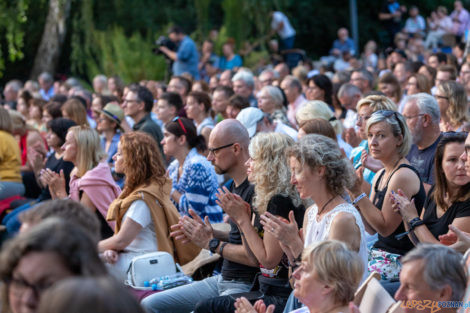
{"x": 146, "y": 267}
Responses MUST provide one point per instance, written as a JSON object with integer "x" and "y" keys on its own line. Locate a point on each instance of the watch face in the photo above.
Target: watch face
{"x": 213, "y": 244}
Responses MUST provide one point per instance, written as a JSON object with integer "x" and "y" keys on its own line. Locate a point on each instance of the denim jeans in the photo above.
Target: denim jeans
{"x": 9, "y": 189}
{"x": 184, "y": 298}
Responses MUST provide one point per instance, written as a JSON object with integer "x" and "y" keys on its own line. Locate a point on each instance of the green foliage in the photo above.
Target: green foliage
{"x": 129, "y": 57}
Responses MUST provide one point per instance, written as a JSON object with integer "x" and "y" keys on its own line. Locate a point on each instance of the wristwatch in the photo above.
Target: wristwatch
{"x": 213, "y": 244}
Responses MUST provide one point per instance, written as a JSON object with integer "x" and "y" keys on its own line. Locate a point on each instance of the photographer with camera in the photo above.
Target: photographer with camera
{"x": 186, "y": 57}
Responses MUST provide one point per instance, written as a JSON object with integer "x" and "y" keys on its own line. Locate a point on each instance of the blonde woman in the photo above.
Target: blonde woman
{"x": 452, "y": 101}
{"x": 319, "y": 109}
{"x": 75, "y": 110}
{"x": 326, "y": 280}
{"x": 91, "y": 182}
{"x": 268, "y": 170}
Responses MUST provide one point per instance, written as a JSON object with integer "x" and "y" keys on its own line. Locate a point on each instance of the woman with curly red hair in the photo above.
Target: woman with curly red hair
{"x": 143, "y": 212}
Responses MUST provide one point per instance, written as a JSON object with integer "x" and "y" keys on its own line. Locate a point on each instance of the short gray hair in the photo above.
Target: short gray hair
{"x": 45, "y": 76}
{"x": 102, "y": 78}
{"x": 366, "y": 75}
{"x": 275, "y": 94}
{"x": 442, "y": 266}
{"x": 293, "y": 82}
{"x": 246, "y": 76}
{"x": 427, "y": 104}
{"x": 317, "y": 150}
{"x": 15, "y": 85}
{"x": 269, "y": 71}
{"x": 397, "y": 123}
{"x": 349, "y": 90}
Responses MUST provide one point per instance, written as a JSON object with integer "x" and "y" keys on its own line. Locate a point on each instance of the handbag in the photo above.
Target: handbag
{"x": 144, "y": 268}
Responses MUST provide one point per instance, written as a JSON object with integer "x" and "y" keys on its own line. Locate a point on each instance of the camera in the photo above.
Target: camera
{"x": 163, "y": 41}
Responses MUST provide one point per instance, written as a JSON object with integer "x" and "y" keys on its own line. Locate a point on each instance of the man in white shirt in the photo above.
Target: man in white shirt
{"x": 280, "y": 24}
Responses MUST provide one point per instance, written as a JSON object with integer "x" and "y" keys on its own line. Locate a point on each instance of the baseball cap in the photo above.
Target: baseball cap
{"x": 249, "y": 117}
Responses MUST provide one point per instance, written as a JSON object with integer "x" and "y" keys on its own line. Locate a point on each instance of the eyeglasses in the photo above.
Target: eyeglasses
{"x": 130, "y": 100}
{"x": 412, "y": 117}
{"x": 214, "y": 150}
{"x": 177, "y": 118}
{"x": 19, "y": 286}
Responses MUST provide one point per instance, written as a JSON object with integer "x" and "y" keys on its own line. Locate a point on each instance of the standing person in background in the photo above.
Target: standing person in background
{"x": 280, "y": 24}
{"x": 47, "y": 88}
{"x": 186, "y": 58}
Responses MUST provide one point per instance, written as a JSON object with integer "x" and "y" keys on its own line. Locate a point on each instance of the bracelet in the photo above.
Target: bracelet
{"x": 221, "y": 249}
{"x": 359, "y": 198}
{"x": 415, "y": 223}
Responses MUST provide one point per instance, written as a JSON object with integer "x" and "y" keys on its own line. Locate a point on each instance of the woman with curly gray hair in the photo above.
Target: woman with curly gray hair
{"x": 321, "y": 173}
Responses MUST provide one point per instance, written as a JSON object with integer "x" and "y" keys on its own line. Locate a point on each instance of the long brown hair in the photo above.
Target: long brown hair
{"x": 441, "y": 188}
{"x": 143, "y": 161}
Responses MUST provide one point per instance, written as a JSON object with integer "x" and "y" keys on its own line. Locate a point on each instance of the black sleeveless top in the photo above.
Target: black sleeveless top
{"x": 390, "y": 243}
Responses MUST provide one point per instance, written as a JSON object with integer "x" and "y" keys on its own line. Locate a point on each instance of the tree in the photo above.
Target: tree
{"x": 53, "y": 37}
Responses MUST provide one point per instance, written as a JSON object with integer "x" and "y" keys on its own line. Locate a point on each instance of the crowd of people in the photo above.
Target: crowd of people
{"x": 303, "y": 179}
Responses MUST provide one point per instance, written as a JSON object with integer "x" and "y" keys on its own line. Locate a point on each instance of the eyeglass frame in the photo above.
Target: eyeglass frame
{"x": 214, "y": 150}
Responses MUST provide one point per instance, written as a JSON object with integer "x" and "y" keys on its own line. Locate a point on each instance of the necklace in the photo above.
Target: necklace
{"x": 391, "y": 171}
{"x": 324, "y": 206}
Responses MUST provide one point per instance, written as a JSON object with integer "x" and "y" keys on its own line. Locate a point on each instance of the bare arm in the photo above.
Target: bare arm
{"x": 128, "y": 232}
{"x": 345, "y": 229}
{"x": 386, "y": 221}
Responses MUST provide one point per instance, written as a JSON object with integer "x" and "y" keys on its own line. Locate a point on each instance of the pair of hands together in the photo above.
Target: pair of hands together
{"x": 56, "y": 183}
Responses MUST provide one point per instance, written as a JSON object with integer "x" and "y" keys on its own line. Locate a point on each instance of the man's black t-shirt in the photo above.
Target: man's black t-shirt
{"x": 423, "y": 161}
{"x": 232, "y": 270}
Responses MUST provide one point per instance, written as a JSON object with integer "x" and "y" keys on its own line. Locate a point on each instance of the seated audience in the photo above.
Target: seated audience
{"x": 418, "y": 83}
{"x": 389, "y": 142}
{"x": 317, "y": 126}
{"x": 198, "y": 106}
{"x": 271, "y": 101}
{"x": 194, "y": 179}
{"x": 67, "y": 210}
{"x": 75, "y": 110}
{"x": 109, "y": 125}
{"x": 431, "y": 273}
{"x": 168, "y": 106}
{"x": 256, "y": 121}
{"x": 325, "y": 280}
{"x": 143, "y": 212}
{"x": 235, "y": 104}
{"x": 389, "y": 85}
{"x": 91, "y": 295}
{"x": 91, "y": 182}
{"x": 10, "y": 160}
{"x": 320, "y": 173}
{"x": 422, "y": 117}
{"x": 319, "y": 109}
{"x": 452, "y": 101}
{"x": 35, "y": 260}
{"x": 269, "y": 171}
{"x": 448, "y": 200}
{"x": 220, "y": 100}
{"x": 57, "y": 130}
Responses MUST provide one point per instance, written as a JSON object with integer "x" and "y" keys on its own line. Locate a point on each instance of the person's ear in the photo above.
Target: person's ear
{"x": 181, "y": 140}
{"x": 446, "y": 293}
{"x": 426, "y": 120}
{"x": 321, "y": 170}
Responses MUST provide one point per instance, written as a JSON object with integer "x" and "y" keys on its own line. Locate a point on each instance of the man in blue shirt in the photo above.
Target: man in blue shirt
{"x": 186, "y": 58}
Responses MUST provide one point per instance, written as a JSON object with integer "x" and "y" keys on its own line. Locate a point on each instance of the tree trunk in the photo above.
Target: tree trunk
{"x": 53, "y": 37}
